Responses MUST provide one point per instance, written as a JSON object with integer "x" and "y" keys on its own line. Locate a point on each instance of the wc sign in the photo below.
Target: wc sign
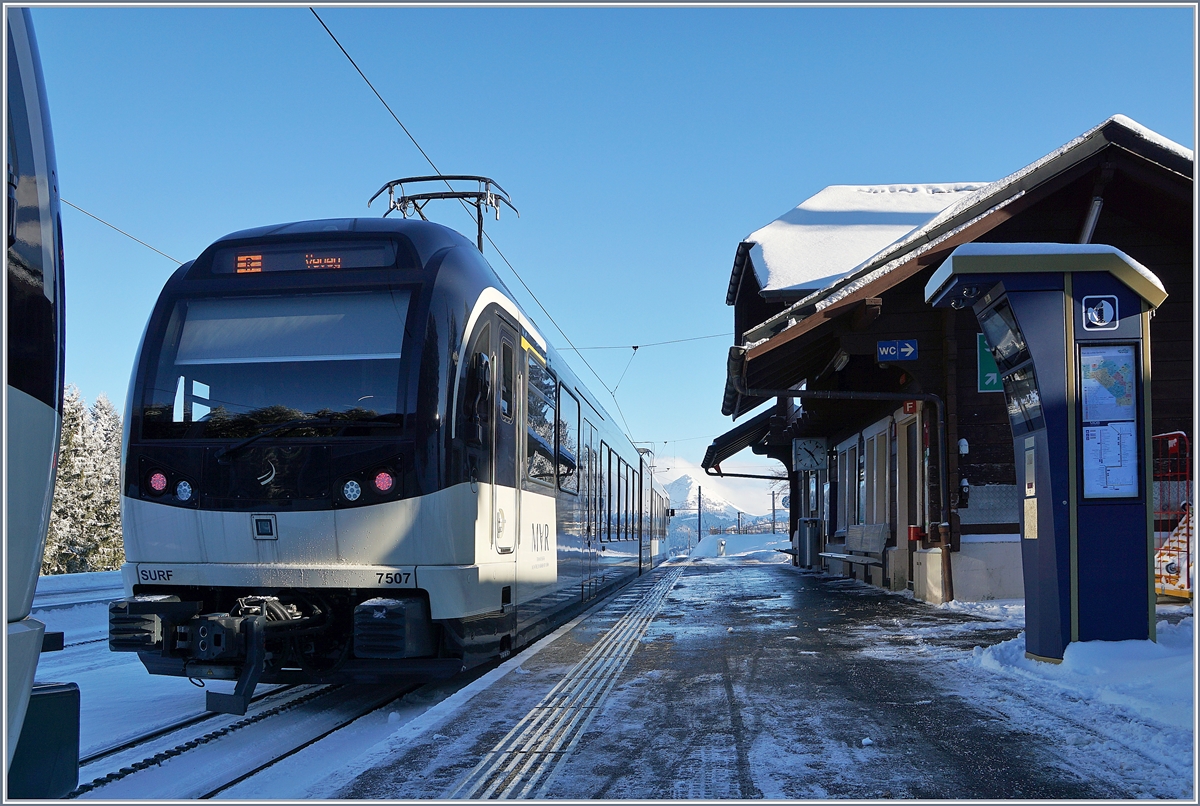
{"x": 898, "y": 350}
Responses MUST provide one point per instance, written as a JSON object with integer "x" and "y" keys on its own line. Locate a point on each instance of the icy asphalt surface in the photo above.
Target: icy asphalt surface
{"x": 737, "y": 677}
{"x": 763, "y": 681}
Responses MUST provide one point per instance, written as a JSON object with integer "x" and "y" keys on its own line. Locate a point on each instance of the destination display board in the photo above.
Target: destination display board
{"x": 1108, "y": 385}
{"x": 318, "y": 256}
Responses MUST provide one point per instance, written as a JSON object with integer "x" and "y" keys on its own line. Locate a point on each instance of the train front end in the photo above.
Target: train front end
{"x": 283, "y": 461}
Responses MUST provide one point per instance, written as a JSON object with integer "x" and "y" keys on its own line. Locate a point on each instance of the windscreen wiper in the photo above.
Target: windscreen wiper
{"x": 224, "y": 454}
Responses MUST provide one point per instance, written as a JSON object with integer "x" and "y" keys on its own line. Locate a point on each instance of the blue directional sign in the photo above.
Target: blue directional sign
{"x": 897, "y": 350}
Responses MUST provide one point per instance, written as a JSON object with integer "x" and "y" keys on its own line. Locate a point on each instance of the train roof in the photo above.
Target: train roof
{"x": 427, "y": 236}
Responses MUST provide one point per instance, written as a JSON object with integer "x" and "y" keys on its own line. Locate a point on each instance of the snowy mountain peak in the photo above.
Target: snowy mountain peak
{"x": 685, "y": 490}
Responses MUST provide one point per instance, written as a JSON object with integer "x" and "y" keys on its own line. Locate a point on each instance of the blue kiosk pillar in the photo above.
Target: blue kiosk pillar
{"x": 1069, "y": 327}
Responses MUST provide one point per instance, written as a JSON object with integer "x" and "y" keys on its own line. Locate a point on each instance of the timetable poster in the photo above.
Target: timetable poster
{"x": 1108, "y": 387}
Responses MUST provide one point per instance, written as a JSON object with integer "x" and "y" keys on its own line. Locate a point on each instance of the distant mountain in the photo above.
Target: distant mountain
{"x": 684, "y": 491}
{"x": 717, "y": 513}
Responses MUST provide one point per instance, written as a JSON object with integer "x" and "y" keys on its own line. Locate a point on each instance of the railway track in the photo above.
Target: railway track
{"x": 201, "y": 756}
{"x": 147, "y": 738}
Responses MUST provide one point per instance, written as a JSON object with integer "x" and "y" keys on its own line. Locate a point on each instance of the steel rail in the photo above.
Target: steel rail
{"x": 187, "y": 722}
{"x": 204, "y": 766}
{"x": 350, "y": 717}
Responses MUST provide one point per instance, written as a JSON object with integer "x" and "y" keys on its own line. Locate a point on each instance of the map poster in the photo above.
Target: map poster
{"x": 1108, "y": 383}
{"x": 1110, "y": 460}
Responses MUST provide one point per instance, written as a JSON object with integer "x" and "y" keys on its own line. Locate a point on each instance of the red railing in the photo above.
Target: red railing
{"x": 1173, "y": 528}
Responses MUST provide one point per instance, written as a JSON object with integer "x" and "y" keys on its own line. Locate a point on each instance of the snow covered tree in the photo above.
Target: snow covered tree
{"x": 62, "y": 540}
{"x": 85, "y": 516}
{"x": 104, "y": 438}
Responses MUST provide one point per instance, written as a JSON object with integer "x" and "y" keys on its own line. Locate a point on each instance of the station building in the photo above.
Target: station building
{"x": 844, "y": 367}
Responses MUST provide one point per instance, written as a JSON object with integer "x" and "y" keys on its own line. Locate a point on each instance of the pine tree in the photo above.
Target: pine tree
{"x": 105, "y": 521}
{"x": 85, "y": 519}
{"x": 62, "y": 554}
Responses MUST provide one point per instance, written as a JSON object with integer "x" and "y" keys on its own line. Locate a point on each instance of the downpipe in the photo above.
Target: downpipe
{"x": 739, "y": 384}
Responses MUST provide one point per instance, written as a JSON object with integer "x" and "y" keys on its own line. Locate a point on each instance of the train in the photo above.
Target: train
{"x": 42, "y": 719}
{"x": 351, "y": 456}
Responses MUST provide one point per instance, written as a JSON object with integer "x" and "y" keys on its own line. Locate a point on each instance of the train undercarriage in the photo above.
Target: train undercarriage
{"x": 298, "y": 636}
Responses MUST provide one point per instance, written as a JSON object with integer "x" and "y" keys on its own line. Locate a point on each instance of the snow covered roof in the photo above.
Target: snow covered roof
{"x": 970, "y": 207}
{"x": 832, "y": 233}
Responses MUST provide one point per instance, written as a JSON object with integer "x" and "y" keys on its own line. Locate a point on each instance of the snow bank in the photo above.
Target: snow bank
{"x": 1152, "y": 679}
{"x": 1009, "y": 612}
{"x": 756, "y": 548}
{"x": 79, "y": 583}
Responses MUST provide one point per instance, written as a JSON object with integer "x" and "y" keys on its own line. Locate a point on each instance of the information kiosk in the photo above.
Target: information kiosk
{"x": 1069, "y": 327}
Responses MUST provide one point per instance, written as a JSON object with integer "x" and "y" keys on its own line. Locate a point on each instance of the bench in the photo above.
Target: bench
{"x": 866, "y": 539}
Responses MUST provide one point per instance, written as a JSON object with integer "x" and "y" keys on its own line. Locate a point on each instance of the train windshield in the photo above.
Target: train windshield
{"x": 229, "y": 367}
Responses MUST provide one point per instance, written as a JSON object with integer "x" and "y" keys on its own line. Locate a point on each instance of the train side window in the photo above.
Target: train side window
{"x": 606, "y": 488}
{"x": 539, "y": 422}
{"x": 567, "y": 434}
{"x": 602, "y": 491}
{"x": 623, "y": 509}
{"x": 618, "y": 496}
{"x": 506, "y": 381}
{"x": 632, "y": 530}
{"x": 637, "y": 496}
{"x": 630, "y": 505}
{"x": 476, "y": 400}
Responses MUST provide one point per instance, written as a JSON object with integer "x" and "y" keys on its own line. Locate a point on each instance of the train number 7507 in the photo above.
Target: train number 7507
{"x": 396, "y": 578}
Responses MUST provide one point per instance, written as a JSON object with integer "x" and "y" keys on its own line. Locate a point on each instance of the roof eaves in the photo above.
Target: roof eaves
{"x": 1018, "y": 183}
{"x": 739, "y": 267}
{"x": 739, "y": 438}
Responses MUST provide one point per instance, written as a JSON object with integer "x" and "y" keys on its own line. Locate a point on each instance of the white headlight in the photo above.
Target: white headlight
{"x": 351, "y": 490}
{"x": 183, "y": 491}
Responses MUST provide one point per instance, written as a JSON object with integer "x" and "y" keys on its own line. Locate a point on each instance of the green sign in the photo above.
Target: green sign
{"x": 989, "y": 373}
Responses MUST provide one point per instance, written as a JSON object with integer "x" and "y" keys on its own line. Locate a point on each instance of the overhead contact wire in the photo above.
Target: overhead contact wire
{"x": 655, "y": 343}
{"x": 123, "y": 232}
{"x": 485, "y": 234}
{"x": 372, "y": 86}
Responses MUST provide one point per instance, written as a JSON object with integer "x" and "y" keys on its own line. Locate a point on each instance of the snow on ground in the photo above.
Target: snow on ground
{"x": 744, "y": 548}
{"x": 1121, "y": 711}
{"x": 1152, "y": 679}
{"x": 1106, "y": 698}
{"x": 78, "y": 583}
{"x": 1006, "y": 612}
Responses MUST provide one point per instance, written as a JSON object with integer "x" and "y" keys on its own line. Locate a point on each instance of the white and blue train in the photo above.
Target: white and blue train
{"x": 42, "y": 742}
{"x": 351, "y": 456}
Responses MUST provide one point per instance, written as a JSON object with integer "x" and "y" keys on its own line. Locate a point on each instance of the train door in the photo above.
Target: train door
{"x": 537, "y": 538}
{"x": 505, "y": 500}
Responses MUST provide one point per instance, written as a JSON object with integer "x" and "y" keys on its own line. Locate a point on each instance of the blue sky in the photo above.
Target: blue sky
{"x": 640, "y": 145}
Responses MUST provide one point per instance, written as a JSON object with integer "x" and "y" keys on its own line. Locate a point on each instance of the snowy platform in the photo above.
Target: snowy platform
{"x": 741, "y": 676}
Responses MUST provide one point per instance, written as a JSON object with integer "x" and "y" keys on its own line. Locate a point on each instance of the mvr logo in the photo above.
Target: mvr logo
{"x": 541, "y": 537}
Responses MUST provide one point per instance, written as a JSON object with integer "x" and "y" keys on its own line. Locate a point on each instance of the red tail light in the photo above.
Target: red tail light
{"x": 157, "y": 482}
{"x": 384, "y": 481}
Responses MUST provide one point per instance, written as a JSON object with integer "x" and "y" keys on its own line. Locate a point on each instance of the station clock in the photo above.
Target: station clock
{"x": 809, "y": 454}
